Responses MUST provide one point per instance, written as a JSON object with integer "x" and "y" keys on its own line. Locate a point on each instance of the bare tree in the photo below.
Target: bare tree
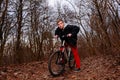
{"x": 98, "y": 29}
{"x": 114, "y": 23}
{"x": 19, "y": 27}
{"x": 3, "y": 28}
{"x": 40, "y": 29}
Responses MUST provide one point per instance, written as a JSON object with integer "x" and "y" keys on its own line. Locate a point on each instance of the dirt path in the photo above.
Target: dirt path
{"x": 93, "y": 68}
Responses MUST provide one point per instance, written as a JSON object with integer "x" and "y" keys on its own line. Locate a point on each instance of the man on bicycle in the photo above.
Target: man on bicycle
{"x": 71, "y": 32}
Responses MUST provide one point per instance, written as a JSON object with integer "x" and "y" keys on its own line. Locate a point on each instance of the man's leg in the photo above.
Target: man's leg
{"x": 76, "y": 56}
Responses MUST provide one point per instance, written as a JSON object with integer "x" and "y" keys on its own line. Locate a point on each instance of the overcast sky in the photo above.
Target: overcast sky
{"x": 53, "y": 3}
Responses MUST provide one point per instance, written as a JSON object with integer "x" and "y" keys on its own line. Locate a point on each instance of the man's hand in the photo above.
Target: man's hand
{"x": 56, "y": 36}
{"x": 69, "y": 35}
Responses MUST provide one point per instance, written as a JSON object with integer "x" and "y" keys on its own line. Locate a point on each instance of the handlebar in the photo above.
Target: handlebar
{"x": 61, "y": 37}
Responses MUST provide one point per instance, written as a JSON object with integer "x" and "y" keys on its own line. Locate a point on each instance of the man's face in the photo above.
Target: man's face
{"x": 61, "y": 24}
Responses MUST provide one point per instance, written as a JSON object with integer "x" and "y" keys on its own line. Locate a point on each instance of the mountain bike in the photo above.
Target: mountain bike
{"x": 58, "y": 60}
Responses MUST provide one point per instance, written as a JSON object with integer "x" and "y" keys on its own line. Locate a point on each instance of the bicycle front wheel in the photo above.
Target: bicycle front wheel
{"x": 54, "y": 66}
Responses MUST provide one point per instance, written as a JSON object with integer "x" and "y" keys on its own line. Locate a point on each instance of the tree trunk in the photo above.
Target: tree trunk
{"x": 19, "y": 20}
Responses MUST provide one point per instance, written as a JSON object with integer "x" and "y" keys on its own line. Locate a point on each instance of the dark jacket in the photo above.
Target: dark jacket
{"x": 68, "y": 29}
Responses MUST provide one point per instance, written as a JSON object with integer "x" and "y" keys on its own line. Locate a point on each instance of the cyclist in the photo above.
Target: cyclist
{"x": 71, "y": 32}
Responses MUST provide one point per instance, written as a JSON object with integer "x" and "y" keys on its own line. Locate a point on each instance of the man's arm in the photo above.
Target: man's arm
{"x": 75, "y": 30}
{"x": 56, "y": 33}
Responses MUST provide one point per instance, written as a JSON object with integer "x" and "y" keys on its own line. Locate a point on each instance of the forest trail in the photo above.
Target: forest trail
{"x": 92, "y": 68}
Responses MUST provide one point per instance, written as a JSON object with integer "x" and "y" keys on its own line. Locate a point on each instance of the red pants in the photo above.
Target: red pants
{"x": 76, "y": 56}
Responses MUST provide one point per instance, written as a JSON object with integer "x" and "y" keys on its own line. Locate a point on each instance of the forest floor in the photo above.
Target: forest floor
{"x": 92, "y": 68}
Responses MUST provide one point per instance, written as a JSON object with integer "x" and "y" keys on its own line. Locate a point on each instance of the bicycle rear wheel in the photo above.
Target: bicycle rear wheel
{"x": 71, "y": 61}
{"x": 54, "y": 66}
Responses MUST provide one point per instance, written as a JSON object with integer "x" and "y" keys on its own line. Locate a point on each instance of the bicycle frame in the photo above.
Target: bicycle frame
{"x": 68, "y": 50}
{"x": 58, "y": 59}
